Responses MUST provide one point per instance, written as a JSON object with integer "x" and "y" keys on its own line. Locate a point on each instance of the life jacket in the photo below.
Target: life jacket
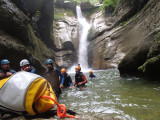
{"x": 79, "y": 78}
{"x": 32, "y": 69}
{"x": 92, "y": 75}
{"x": 67, "y": 79}
{"x": 22, "y": 91}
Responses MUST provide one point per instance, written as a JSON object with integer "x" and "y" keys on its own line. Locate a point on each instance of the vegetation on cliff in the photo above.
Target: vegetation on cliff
{"x": 61, "y": 13}
{"x": 109, "y": 3}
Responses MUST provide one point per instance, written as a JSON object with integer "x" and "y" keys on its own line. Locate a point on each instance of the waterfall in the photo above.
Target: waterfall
{"x": 84, "y": 27}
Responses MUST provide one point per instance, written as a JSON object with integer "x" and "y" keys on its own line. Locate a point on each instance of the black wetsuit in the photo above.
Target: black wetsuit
{"x": 79, "y": 77}
{"x": 92, "y": 76}
{"x": 5, "y": 71}
{"x": 52, "y": 77}
{"x": 67, "y": 81}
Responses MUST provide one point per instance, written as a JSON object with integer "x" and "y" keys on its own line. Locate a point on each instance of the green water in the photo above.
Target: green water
{"x": 110, "y": 96}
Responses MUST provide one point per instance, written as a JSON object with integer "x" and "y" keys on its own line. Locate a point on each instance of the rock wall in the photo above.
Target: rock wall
{"x": 65, "y": 35}
{"x": 43, "y": 21}
{"x": 105, "y": 49}
{"x": 19, "y": 39}
{"x": 67, "y": 5}
{"x": 129, "y": 39}
{"x": 144, "y": 59}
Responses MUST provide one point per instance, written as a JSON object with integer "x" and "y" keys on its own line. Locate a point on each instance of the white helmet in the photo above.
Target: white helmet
{"x": 24, "y": 62}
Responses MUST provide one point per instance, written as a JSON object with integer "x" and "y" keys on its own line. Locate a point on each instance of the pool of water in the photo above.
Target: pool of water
{"x": 110, "y": 96}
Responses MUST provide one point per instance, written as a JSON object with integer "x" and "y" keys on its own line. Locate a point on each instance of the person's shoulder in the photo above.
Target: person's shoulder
{"x": 1, "y": 71}
{"x": 55, "y": 69}
{"x": 68, "y": 75}
{"x": 32, "y": 67}
{"x": 81, "y": 73}
{"x": 94, "y": 75}
{"x": 12, "y": 71}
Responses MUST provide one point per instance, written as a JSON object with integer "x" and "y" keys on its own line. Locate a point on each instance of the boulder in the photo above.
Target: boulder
{"x": 67, "y": 5}
{"x": 87, "y": 6}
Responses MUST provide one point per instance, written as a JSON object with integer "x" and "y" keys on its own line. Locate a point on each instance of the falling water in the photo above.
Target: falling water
{"x": 84, "y": 27}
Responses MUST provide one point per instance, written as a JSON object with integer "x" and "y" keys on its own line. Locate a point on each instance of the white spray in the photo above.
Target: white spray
{"x": 84, "y": 27}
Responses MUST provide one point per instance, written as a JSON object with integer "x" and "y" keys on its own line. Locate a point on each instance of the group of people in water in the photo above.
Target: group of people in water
{"x": 58, "y": 79}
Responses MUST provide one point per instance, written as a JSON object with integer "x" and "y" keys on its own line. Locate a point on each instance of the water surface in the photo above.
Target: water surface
{"x": 110, "y": 96}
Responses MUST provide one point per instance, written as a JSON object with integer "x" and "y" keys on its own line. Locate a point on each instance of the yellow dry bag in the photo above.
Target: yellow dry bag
{"x": 21, "y": 93}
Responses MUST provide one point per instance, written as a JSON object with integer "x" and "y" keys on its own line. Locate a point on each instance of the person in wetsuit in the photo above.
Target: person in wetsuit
{"x": 91, "y": 75}
{"x": 80, "y": 78}
{"x": 25, "y": 66}
{"x": 6, "y": 71}
{"x": 53, "y": 76}
{"x": 67, "y": 82}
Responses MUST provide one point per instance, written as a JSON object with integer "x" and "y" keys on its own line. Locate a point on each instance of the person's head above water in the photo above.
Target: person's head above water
{"x": 24, "y": 64}
{"x": 90, "y": 72}
{"x": 49, "y": 63}
{"x": 77, "y": 69}
{"x": 63, "y": 71}
{"x": 5, "y": 64}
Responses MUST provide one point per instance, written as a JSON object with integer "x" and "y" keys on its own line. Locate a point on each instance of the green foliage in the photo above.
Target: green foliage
{"x": 123, "y": 23}
{"x": 109, "y": 3}
{"x": 89, "y": 13}
{"x": 38, "y": 13}
{"x": 60, "y": 13}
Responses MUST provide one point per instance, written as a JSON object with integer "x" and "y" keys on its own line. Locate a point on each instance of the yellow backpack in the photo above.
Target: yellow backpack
{"x": 22, "y": 91}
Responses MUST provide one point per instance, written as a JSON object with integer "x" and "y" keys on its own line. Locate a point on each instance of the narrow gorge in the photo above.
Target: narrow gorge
{"x": 118, "y": 41}
{"x": 126, "y": 38}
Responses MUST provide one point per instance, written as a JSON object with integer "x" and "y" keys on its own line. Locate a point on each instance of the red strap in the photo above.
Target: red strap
{"x": 61, "y": 109}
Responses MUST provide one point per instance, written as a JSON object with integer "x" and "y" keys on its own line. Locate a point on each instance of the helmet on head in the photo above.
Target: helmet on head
{"x": 90, "y": 71}
{"x": 78, "y": 67}
{"x": 63, "y": 70}
{"x": 24, "y": 62}
{"x": 4, "y": 61}
{"x": 49, "y": 61}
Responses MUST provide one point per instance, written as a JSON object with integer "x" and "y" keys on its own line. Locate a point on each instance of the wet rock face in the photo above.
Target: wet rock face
{"x": 144, "y": 58}
{"x": 105, "y": 50}
{"x": 18, "y": 40}
{"x": 86, "y": 6}
{"x": 13, "y": 21}
{"x": 67, "y": 5}
{"x": 15, "y": 52}
{"x": 44, "y": 24}
{"x": 134, "y": 45}
{"x": 65, "y": 35}
{"x": 127, "y": 9}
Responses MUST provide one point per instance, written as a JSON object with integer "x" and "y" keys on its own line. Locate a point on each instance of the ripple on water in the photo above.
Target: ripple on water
{"x": 111, "y": 95}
